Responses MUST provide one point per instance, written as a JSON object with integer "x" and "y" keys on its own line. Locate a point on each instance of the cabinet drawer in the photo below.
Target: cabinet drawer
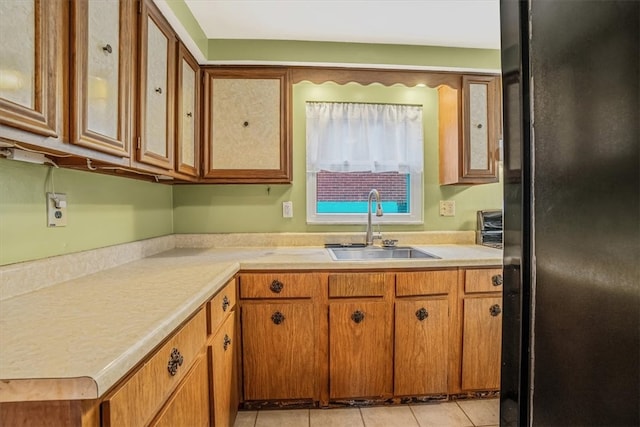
{"x": 435, "y": 282}
{"x": 278, "y": 285}
{"x": 483, "y": 280}
{"x": 221, "y": 305}
{"x": 137, "y": 400}
{"x": 356, "y": 285}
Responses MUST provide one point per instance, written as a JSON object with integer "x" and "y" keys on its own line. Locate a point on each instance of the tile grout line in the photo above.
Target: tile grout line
{"x": 465, "y": 414}
{"x": 414, "y": 416}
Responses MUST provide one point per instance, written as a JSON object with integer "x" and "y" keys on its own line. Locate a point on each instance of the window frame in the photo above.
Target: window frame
{"x": 415, "y": 215}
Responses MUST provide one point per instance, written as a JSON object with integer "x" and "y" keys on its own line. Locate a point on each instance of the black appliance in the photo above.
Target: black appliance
{"x": 489, "y": 230}
{"x": 571, "y": 302}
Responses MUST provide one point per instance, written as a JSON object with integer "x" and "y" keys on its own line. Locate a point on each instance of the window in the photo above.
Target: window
{"x": 354, "y": 147}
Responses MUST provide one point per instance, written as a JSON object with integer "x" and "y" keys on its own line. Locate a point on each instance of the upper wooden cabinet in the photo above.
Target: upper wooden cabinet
{"x": 469, "y": 122}
{"x": 102, "y": 36}
{"x": 29, "y": 66}
{"x": 247, "y": 126}
{"x": 187, "y": 114}
{"x": 156, "y": 103}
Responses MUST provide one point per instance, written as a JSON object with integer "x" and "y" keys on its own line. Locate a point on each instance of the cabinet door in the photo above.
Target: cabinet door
{"x": 360, "y": 349}
{"x": 157, "y": 86}
{"x": 247, "y": 125}
{"x": 480, "y": 143}
{"x": 102, "y": 37}
{"x": 481, "y": 345}
{"x": 468, "y": 122}
{"x": 278, "y": 346}
{"x": 189, "y": 405}
{"x": 187, "y": 114}
{"x": 224, "y": 372}
{"x": 421, "y": 347}
{"x": 29, "y": 30}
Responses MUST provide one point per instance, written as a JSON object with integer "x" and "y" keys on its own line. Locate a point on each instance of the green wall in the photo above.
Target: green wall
{"x": 258, "y": 208}
{"x": 102, "y": 210}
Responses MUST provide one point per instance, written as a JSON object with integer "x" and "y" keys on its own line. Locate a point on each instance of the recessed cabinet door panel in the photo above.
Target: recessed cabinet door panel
{"x": 478, "y": 129}
{"x": 18, "y": 52}
{"x": 421, "y": 347}
{"x": 481, "y": 345}
{"x": 156, "y": 93}
{"x": 29, "y": 31}
{"x": 156, "y": 125}
{"x": 360, "y": 349}
{"x": 187, "y": 114}
{"x": 278, "y": 351}
{"x": 100, "y": 101}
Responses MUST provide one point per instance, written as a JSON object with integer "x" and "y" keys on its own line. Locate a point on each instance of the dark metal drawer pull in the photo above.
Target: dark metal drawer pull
{"x": 175, "y": 361}
{"x": 277, "y": 318}
{"x": 495, "y": 310}
{"x": 225, "y": 303}
{"x": 497, "y": 280}
{"x": 422, "y": 314}
{"x": 227, "y": 342}
{"x": 357, "y": 316}
{"x": 276, "y": 286}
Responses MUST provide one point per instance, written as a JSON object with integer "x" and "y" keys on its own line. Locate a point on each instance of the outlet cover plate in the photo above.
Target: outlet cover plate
{"x": 56, "y": 210}
{"x": 447, "y": 208}
{"x": 287, "y": 209}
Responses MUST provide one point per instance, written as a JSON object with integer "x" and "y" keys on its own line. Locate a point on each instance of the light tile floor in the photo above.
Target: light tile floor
{"x": 460, "y": 413}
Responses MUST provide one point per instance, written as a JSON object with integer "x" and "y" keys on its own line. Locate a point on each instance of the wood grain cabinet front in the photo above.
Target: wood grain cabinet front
{"x": 187, "y": 115}
{"x": 141, "y": 396}
{"x": 481, "y": 329}
{"x": 156, "y": 89}
{"x": 469, "y": 123}
{"x": 32, "y": 84}
{"x": 223, "y": 353}
{"x": 424, "y": 344}
{"x": 247, "y": 125}
{"x": 103, "y": 41}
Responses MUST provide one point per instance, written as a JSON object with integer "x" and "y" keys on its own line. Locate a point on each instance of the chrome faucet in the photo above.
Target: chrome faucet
{"x": 369, "y": 235}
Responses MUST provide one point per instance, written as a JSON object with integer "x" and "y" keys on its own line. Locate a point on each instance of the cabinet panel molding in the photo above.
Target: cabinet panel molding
{"x": 247, "y": 125}
{"x": 101, "y": 88}
{"x": 30, "y": 31}
{"x": 421, "y": 347}
{"x": 188, "y": 117}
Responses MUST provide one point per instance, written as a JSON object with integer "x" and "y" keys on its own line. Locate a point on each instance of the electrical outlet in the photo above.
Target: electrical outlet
{"x": 287, "y": 209}
{"x": 447, "y": 208}
{"x": 56, "y": 210}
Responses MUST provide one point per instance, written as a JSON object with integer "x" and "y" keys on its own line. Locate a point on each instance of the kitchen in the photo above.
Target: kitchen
{"x": 128, "y": 210}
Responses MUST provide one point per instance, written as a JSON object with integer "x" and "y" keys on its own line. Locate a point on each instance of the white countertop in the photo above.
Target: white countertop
{"x": 76, "y": 339}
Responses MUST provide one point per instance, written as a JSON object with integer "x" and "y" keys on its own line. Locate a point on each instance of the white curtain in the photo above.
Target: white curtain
{"x": 353, "y": 137}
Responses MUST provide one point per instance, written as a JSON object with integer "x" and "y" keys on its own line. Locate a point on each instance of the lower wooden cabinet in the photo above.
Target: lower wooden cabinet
{"x": 224, "y": 373}
{"x": 421, "y": 347}
{"x": 481, "y": 347}
{"x": 189, "y": 405}
{"x": 360, "y": 356}
{"x": 278, "y": 350}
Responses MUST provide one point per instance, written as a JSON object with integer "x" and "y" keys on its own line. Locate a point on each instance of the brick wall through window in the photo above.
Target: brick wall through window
{"x": 355, "y": 186}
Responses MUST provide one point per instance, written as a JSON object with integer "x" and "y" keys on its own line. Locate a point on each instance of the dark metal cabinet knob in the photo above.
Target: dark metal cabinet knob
{"x": 189, "y": 114}
{"x": 245, "y": 124}
{"x": 422, "y": 314}
{"x": 107, "y": 48}
{"x": 277, "y": 318}
{"x": 276, "y": 286}
{"x": 158, "y": 90}
{"x": 357, "y": 316}
{"x": 495, "y": 310}
{"x": 497, "y": 280}
{"x": 225, "y": 303}
{"x": 227, "y": 342}
{"x": 175, "y": 361}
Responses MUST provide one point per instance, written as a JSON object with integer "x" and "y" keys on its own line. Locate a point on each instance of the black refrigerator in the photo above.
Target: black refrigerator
{"x": 571, "y": 103}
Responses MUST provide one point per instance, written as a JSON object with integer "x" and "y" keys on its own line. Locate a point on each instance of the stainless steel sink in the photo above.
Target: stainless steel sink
{"x": 372, "y": 253}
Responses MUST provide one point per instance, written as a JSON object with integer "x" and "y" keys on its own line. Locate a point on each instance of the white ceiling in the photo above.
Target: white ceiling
{"x": 459, "y": 23}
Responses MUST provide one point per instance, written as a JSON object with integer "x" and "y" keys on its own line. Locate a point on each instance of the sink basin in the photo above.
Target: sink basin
{"x": 372, "y": 253}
